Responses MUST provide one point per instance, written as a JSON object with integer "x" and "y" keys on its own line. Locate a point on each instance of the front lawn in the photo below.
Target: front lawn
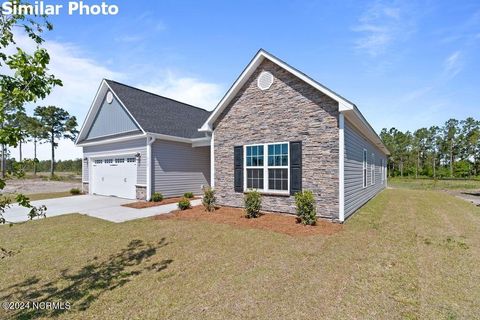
{"x": 408, "y": 254}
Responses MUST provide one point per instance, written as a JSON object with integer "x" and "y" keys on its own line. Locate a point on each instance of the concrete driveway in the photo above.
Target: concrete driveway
{"x": 107, "y": 208}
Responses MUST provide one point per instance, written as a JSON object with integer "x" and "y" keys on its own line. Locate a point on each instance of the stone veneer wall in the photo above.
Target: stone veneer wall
{"x": 141, "y": 192}
{"x": 85, "y": 187}
{"x": 289, "y": 110}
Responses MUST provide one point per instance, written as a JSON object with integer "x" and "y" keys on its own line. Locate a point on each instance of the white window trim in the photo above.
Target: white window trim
{"x": 265, "y": 168}
{"x": 372, "y": 170}
{"x": 364, "y": 168}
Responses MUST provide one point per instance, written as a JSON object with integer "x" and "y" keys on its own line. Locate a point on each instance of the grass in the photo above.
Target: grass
{"x": 431, "y": 184}
{"x": 43, "y": 196}
{"x": 407, "y": 254}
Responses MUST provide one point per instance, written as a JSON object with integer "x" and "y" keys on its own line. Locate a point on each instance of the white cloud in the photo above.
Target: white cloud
{"x": 186, "y": 89}
{"x": 452, "y": 65}
{"x": 81, "y": 77}
{"x": 380, "y": 26}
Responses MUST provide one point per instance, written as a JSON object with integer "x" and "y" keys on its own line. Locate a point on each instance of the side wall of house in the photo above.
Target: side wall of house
{"x": 179, "y": 168}
{"x": 290, "y": 110}
{"x": 356, "y": 194}
{"x": 131, "y": 146}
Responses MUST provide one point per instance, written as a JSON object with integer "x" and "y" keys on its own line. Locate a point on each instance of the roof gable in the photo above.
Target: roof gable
{"x": 161, "y": 115}
{"x": 344, "y": 105}
{"x": 140, "y": 111}
{"x": 111, "y": 119}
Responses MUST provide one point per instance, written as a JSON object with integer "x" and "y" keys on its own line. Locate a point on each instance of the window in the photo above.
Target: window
{"x": 119, "y": 160}
{"x": 278, "y": 166}
{"x": 364, "y": 168}
{"x": 130, "y": 159}
{"x": 108, "y": 161}
{"x": 372, "y": 170}
{"x": 254, "y": 165}
{"x": 382, "y": 163}
{"x": 98, "y": 161}
{"x": 270, "y": 175}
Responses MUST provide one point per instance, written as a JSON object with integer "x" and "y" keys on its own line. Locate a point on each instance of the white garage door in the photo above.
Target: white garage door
{"x": 114, "y": 176}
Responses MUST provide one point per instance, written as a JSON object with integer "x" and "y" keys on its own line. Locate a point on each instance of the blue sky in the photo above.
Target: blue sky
{"x": 404, "y": 64}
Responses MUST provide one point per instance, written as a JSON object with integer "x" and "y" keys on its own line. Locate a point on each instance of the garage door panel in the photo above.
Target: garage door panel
{"x": 114, "y": 176}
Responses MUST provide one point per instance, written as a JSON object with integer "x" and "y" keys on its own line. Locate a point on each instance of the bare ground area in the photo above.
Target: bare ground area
{"x": 472, "y": 196}
{"x": 31, "y": 186}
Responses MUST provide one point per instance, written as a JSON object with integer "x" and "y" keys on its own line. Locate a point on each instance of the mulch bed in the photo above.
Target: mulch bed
{"x": 281, "y": 223}
{"x": 149, "y": 204}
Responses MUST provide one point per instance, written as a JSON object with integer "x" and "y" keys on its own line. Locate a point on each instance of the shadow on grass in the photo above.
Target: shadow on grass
{"x": 83, "y": 287}
{"x": 477, "y": 194}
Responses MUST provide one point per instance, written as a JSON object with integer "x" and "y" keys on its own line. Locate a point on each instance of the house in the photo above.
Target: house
{"x": 135, "y": 142}
{"x": 275, "y": 130}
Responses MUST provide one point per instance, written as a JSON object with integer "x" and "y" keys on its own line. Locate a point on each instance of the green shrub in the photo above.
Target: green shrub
{"x": 253, "y": 204}
{"x": 184, "y": 204}
{"x": 75, "y": 191}
{"x": 188, "y": 195}
{"x": 306, "y": 207}
{"x": 209, "y": 199}
{"x": 157, "y": 197}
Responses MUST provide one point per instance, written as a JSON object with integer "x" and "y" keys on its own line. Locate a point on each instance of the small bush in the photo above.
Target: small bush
{"x": 184, "y": 204}
{"x": 253, "y": 204}
{"x": 157, "y": 197}
{"x": 75, "y": 191}
{"x": 188, "y": 195}
{"x": 209, "y": 199}
{"x": 306, "y": 207}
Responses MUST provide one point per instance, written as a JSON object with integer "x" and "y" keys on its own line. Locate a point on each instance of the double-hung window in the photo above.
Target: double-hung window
{"x": 364, "y": 171}
{"x": 382, "y": 163}
{"x": 372, "y": 170}
{"x": 255, "y": 167}
{"x": 267, "y": 167}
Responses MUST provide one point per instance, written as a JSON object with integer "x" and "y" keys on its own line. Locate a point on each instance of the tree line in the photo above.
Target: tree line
{"x": 48, "y": 124}
{"x": 451, "y": 150}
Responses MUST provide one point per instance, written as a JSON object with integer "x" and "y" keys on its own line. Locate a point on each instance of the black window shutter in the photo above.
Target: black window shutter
{"x": 238, "y": 168}
{"x": 295, "y": 167}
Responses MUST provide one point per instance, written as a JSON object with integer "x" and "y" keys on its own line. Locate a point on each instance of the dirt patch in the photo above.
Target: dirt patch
{"x": 149, "y": 204}
{"x": 281, "y": 223}
{"x": 31, "y": 186}
{"x": 472, "y": 196}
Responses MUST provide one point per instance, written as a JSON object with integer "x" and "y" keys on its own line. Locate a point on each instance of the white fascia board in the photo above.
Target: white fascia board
{"x": 201, "y": 142}
{"x": 169, "y": 138}
{"x": 88, "y": 116}
{"x": 107, "y": 141}
{"x": 95, "y": 107}
{"x": 356, "y": 119}
{"x": 252, "y": 66}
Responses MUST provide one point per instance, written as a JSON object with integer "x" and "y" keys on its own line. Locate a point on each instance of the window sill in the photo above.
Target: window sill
{"x": 269, "y": 193}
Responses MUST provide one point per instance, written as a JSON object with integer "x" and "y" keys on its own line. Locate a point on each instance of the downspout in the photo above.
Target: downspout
{"x": 341, "y": 167}
{"x": 212, "y": 161}
{"x": 150, "y": 140}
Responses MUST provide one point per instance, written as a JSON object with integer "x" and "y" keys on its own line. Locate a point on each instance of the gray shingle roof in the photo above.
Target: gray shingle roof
{"x": 157, "y": 114}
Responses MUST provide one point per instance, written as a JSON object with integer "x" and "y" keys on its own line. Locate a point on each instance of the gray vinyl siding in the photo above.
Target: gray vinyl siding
{"x": 133, "y": 146}
{"x": 355, "y": 194}
{"x": 179, "y": 168}
{"x": 111, "y": 119}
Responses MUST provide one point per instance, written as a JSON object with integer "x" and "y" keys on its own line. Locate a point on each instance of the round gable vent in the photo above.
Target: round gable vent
{"x": 109, "y": 97}
{"x": 265, "y": 80}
